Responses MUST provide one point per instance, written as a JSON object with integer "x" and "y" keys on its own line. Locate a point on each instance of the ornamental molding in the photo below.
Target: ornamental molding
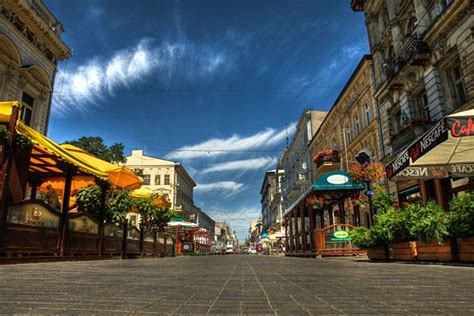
{"x": 34, "y": 29}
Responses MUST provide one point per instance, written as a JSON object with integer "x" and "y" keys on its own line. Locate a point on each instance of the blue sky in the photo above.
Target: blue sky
{"x": 203, "y": 75}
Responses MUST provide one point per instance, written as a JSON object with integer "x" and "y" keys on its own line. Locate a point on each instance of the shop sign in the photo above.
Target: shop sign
{"x": 461, "y": 126}
{"x": 398, "y": 164}
{"x": 34, "y": 214}
{"x": 340, "y": 235}
{"x": 437, "y": 135}
{"x": 433, "y": 138}
{"x": 429, "y": 172}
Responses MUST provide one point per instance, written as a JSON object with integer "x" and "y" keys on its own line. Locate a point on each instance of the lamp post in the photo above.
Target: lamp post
{"x": 363, "y": 159}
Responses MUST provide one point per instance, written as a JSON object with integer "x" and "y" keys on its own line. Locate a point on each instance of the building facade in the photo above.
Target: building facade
{"x": 204, "y": 221}
{"x": 30, "y": 48}
{"x": 351, "y": 127}
{"x": 295, "y": 159}
{"x": 271, "y": 200}
{"x": 423, "y": 70}
{"x": 167, "y": 178}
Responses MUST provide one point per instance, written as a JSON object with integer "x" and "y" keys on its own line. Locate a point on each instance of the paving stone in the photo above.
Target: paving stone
{"x": 238, "y": 285}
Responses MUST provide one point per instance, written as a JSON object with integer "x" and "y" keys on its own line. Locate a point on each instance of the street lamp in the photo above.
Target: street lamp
{"x": 363, "y": 159}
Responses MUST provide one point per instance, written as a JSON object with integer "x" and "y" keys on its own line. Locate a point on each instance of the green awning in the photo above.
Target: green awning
{"x": 176, "y": 219}
{"x": 337, "y": 180}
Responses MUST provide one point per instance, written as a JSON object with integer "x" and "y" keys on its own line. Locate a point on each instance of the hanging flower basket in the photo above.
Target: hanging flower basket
{"x": 328, "y": 155}
{"x": 315, "y": 201}
{"x": 371, "y": 172}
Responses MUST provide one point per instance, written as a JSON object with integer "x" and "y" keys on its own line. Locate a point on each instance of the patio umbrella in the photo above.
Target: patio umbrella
{"x": 143, "y": 193}
{"x": 447, "y": 149}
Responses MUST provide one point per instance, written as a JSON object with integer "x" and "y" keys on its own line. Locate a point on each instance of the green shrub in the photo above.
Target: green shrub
{"x": 361, "y": 237}
{"x": 461, "y": 216}
{"x": 390, "y": 227}
{"x": 427, "y": 222}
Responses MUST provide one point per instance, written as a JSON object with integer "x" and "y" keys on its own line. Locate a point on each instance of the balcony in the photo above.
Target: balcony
{"x": 408, "y": 134}
{"x": 326, "y": 160}
{"x": 415, "y": 52}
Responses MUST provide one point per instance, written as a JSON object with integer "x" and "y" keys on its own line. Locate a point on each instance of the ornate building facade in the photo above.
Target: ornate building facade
{"x": 423, "y": 70}
{"x": 30, "y": 47}
{"x": 351, "y": 127}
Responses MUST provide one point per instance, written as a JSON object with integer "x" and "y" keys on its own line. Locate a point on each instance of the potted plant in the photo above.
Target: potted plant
{"x": 428, "y": 228}
{"x": 328, "y": 155}
{"x": 461, "y": 225}
{"x": 315, "y": 201}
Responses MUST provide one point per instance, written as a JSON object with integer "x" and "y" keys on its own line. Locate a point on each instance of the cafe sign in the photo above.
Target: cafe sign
{"x": 462, "y": 126}
{"x": 340, "y": 235}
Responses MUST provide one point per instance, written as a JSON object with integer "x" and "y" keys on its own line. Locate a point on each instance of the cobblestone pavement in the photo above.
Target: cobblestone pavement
{"x": 235, "y": 285}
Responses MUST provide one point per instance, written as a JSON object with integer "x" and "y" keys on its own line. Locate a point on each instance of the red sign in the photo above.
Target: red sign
{"x": 462, "y": 127}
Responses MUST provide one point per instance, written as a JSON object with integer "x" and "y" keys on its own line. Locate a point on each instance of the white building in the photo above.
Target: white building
{"x": 167, "y": 178}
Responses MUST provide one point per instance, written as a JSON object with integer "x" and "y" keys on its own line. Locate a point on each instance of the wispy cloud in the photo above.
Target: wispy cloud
{"x": 223, "y": 146}
{"x": 82, "y": 85}
{"x": 246, "y": 164}
{"x": 227, "y": 186}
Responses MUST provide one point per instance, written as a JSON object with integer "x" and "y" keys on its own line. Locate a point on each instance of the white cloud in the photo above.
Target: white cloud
{"x": 231, "y": 186}
{"x": 85, "y": 84}
{"x": 221, "y": 146}
{"x": 247, "y": 164}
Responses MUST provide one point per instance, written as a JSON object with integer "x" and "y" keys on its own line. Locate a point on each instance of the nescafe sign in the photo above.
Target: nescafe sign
{"x": 433, "y": 138}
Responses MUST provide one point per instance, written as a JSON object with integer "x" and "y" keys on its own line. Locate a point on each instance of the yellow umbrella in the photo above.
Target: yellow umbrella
{"x": 142, "y": 193}
{"x": 119, "y": 176}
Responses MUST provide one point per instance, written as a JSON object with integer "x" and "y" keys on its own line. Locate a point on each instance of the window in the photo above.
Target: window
{"x": 458, "y": 89}
{"x": 423, "y": 108}
{"x": 334, "y": 144}
{"x": 357, "y": 125}
{"x": 27, "y": 112}
{"x": 146, "y": 179}
{"x": 368, "y": 115}
{"x": 157, "y": 179}
{"x": 348, "y": 134}
{"x": 167, "y": 179}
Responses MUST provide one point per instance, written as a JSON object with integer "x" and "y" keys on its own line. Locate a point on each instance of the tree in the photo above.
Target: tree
{"x": 96, "y": 146}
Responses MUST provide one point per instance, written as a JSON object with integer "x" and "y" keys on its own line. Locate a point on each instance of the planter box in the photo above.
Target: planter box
{"x": 433, "y": 251}
{"x": 401, "y": 251}
{"x": 376, "y": 253}
{"x": 466, "y": 249}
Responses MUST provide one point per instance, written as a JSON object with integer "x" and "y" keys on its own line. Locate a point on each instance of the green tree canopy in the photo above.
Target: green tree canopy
{"x": 96, "y": 146}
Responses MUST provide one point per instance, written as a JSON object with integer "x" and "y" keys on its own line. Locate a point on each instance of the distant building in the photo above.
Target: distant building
{"x": 206, "y": 222}
{"x": 167, "y": 178}
{"x": 30, "y": 48}
{"x": 295, "y": 159}
{"x": 271, "y": 200}
{"x": 254, "y": 232}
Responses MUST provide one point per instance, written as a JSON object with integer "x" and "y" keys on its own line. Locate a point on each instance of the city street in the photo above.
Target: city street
{"x": 236, "y": 284}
